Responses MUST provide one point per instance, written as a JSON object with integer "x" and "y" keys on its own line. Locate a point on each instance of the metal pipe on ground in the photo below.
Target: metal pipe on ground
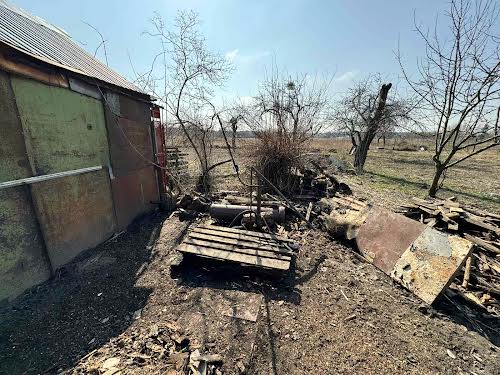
{"x": 230, "y": 211}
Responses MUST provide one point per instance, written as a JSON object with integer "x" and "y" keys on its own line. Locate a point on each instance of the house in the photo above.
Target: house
{"x": 77, "y": 145}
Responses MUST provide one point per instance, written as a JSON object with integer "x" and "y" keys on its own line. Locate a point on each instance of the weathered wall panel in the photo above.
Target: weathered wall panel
{"x": 132, "y": 195}
{"x": 75, "y": 213}
{"x": 128, "y": 123}
{"x": 14, "y": 162}
{"x": 65, "y": 130}
{"x": 22, "y": 255}
{"x": 22, "y": 260}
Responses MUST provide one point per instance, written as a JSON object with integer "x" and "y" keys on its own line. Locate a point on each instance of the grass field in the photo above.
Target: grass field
{"x": 394, "y": 176}
{"x": 391, "y": 177}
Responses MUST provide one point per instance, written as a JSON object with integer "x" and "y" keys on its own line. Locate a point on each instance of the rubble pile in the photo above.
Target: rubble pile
{"x": 480, "y": 280}
{"x": 163, "y": 347}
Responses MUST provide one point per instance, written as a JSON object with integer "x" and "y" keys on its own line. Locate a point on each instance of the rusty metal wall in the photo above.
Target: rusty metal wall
{"x": 135, "y": 184}
{"x": 129, "y": 133}
{"x": 133, "y": 193}
{"x": 23, "y": 260}
{"x": 75, "y": 213}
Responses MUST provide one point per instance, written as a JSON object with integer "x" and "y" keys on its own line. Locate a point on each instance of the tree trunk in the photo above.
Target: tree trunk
{"x": 371, "y": 130}
{"x": 361, "y": 152}
{"x": 435, "y": 181}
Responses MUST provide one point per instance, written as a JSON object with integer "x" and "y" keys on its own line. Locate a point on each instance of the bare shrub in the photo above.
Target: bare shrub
{"x": 284, "y": 115}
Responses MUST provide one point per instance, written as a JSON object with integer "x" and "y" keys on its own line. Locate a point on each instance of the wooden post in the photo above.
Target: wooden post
{"x": 259, "y": 202}
{"x": 468, "y": 264}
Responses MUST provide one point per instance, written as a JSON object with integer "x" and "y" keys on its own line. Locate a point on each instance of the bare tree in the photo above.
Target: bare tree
{"x": 184, "y": 76}
{"x": 233, "y": 122}
{"x": 286, "y": 112}
{"x": 365, "y": 111}
{"x": 458, "y": 83}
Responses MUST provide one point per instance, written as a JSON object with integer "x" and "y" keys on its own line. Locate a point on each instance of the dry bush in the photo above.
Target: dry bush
{"x": 285, "y": 114}
{"x": 277, "y": 157}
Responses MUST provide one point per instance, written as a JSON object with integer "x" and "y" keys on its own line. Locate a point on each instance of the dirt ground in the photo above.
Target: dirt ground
{"x": 121, "y": 304}
{"x": 332, "y": 313}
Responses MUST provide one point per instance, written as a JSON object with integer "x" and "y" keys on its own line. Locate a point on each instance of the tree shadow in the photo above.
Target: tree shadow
{"x": 464, "y": 312}
{"x": 421, "y": 185}
{"x": 200, "y": 273}
{"x": 89, "y": 301}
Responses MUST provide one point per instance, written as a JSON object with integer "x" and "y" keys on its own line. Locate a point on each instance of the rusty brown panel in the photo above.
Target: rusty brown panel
{"x": 23, "y": 260}
{"x": 75, "y": 213}
{"x": 128, "y": 123}
{"x": 135, "y": 110}
{"x": 385, "y": 236}
{"x": 132, "y": 195}
{"x": 13, "y": 64}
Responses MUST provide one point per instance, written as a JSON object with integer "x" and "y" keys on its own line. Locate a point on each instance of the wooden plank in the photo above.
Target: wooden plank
{"x": 309, "y": 209}
{"x": 236, "y": 236}
{"x": 234, "y": 257}
{"x": 448, "y": 203}
{"x": 477, "y": 222}
{"x": 426, "y": 204}
{"x": 240, "y": 243}
{"x": 248, "y": 233}
{"x": 482, "y": 213}
{"x": 237, "y": 249}
{"x": 482, "y": 243}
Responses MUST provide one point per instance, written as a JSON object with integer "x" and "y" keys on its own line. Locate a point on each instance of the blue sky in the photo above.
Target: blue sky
{"x": 348, "y": 38}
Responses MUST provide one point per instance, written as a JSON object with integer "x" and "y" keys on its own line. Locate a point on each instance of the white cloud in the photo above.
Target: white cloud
{"x": 236, "y": 57}
{"x": 231, "y": 55}
{"x": 347, "y": 76}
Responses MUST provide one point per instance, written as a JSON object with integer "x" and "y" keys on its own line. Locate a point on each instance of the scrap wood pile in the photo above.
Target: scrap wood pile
{"x": 162, "y": 348}
{"x": 481, "y": 275}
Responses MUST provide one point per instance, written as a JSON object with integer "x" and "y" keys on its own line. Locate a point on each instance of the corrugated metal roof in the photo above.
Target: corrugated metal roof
{"x": 40, "y": 39}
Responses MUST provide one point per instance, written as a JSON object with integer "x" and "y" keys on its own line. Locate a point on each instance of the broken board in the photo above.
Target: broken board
{"x": 239, "y": 246}
{"x": 422, "y": 259}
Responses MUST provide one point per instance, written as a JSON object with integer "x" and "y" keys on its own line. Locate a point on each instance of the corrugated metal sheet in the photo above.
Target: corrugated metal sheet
{"x": 132, "y": 195}
{"x": 75, "y": 213}
{"x": 66, "y": 130}
{"x": 39, "y": 39}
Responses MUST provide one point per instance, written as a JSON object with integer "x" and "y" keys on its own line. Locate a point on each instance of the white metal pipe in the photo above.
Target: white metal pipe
{"x": 46, "y": 177}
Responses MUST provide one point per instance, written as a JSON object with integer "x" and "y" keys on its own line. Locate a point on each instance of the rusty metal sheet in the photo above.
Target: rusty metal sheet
{"x": 129, "y": 131}
{"x": 75, "y": 213}
{"x": 132, "y": 195}
{"x": 420, "y": 258}
{"x": 23, "y": 260}
{"x": 385, "y": 236}
{"x": 430, "y": 263}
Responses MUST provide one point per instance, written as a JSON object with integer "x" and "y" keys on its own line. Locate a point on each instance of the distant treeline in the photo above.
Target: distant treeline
{"x": 177, "y": 132}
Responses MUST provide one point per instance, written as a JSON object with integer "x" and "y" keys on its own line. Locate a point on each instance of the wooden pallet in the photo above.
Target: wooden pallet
{"x": 240, "y": 246}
